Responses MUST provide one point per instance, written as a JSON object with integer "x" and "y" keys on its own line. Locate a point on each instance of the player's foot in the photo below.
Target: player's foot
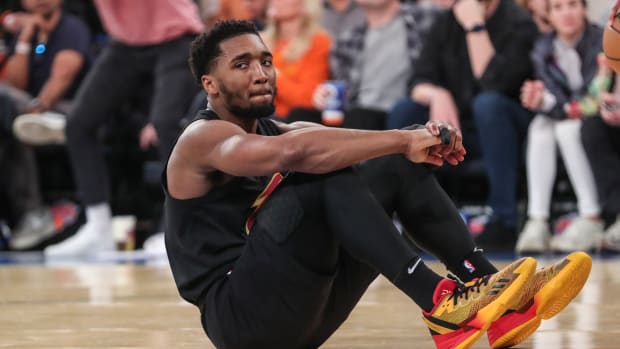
{"x": 550, "y": 290}
{"x": 463, "y": 312}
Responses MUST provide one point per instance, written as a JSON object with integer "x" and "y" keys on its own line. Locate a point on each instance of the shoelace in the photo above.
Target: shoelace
{"x": 463, "y": 290}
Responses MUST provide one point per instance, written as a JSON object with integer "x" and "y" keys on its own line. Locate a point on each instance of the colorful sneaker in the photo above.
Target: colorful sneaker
{"x": 551, "y": 289}
{"x": 463, "y": 312}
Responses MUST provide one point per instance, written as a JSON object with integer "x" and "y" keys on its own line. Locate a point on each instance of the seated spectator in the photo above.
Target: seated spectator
{"x": 467, "y": 76}
{"x": 257, "y": 10}
{"x": 601, "y": 140}
{"x": 565, "y": 64}
{"x": 539, "y": 11}
{"x": 340, "y": 16}
{"x": 376, "y": 60}
{"x": 217, "y": 10}
{"x": 300, "y": 52}
{"x": 150, "y": 38}
{"x": 46, "y": 62}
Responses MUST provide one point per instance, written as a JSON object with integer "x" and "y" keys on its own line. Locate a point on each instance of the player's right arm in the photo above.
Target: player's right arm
{"x": 228, "y": 148}
{"x": 207, "y": 146}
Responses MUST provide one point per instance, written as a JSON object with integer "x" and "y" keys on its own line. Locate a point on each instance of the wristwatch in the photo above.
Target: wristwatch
{"x": 476, "y": 28}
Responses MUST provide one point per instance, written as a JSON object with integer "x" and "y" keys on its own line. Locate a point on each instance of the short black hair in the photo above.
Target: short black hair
{"x": 206, "y": 47}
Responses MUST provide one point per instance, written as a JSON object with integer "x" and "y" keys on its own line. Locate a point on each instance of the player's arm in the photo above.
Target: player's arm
{"x": 223, "y": 146}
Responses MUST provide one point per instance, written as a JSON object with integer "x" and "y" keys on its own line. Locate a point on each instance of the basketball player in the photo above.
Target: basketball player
{"x": 286, "y": 271}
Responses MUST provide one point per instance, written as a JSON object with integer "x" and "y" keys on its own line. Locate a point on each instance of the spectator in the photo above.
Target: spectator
{"x": 257, "y": 10}
{"x": 217, "y": 10}
{"x": 149, "y": 38}
{"x": 369, "y": 59}
{"x": 340, "y": 16}
{"x": 565, "y": 64}
{"x": 539, "y": 11}
{"x": 300, "y": 52}
{"x": 466, "y": 75}
{"x": 601, "y": 140}
{"x": 45, "y": 65}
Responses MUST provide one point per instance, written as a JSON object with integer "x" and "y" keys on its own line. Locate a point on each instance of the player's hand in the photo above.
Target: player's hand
{"x": 468, "y": 13}
{"x": 613, "y": 12}
{"x": 148, "y": 137}
{"x": 443, "y": 109}
{"x": 420, "y": 143}
{"x": 453, "y": 151}
{"x": 318, "y": 97}
{"x": 532, "y": 93}
{"x": 610, "y": 109}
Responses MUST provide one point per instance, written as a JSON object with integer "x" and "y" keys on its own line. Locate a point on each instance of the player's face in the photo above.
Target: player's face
{"x": 567, "y": 16}
{"x": 245, "y": 76}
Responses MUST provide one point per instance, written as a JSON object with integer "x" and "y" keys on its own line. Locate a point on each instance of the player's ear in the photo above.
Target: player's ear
{"x": 209, "y": 83}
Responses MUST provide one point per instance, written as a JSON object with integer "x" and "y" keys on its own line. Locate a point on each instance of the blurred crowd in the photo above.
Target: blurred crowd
{"x": 94, "y": 93}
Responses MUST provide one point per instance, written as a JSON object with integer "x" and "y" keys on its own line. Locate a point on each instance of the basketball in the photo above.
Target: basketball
{"x": 611, "y": 43}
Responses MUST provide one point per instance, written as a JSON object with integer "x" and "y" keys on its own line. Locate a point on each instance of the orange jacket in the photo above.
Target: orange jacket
{"x": 297, "y": 80}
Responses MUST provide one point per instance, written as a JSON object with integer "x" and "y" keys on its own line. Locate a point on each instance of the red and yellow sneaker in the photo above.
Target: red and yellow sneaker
{"x": 463, "y": 312}
{"x": 551, "y": 289}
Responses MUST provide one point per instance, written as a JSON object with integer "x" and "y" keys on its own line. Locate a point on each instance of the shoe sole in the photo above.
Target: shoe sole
{"x": 551, "y": 299}
{"x": 36, "y": 130}
{"x": 492, "y": 311}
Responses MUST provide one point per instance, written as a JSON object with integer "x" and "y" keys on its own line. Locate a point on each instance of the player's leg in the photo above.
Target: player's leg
{"x": 427, "y": 213}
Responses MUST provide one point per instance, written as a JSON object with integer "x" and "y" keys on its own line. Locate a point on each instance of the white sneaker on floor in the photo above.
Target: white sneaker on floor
{"x": 611, "y": 238}
{"x": 534, "y": 238}
{"x": 40, "y": 128}
{"x": 155, "y": 245}
{"x": 582, "y": 234}
{"x": 89, "y": 240}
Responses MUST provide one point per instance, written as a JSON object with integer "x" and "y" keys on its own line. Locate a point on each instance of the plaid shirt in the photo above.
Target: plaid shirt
{"x": 347, "y": 53}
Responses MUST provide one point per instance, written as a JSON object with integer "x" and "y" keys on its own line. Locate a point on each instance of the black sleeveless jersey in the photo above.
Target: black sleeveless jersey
{"x": 205, "y": 235}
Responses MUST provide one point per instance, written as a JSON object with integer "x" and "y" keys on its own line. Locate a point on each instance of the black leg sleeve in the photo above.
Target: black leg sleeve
{"x": 424, "y": 208}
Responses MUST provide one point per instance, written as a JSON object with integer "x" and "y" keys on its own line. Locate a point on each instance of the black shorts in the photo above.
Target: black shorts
{"x": 271, "y": 299}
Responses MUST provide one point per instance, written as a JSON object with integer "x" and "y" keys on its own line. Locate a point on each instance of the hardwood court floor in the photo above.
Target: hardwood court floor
{"x": 137, "y": 306}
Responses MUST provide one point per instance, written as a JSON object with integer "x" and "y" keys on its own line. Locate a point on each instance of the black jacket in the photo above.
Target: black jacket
{"x": 444, "y": 60}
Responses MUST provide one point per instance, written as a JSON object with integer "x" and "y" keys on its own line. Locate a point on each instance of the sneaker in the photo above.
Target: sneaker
{"x": 582, "y": 234}
{"x": 463, "y": 312}
{"x": 90, "y": 239}
{"x": 534, "y": 238}
{"x": 155, "y": 244}
{"x": 611, "y": 239}
{"x": 41, "y": 224}
{"x": 550, "y": 290}
{"x": 496, "y": 236}
{"x": 40, "y": 128}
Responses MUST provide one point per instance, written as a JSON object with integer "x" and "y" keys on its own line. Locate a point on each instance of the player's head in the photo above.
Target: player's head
{"x": 233, "y": 64}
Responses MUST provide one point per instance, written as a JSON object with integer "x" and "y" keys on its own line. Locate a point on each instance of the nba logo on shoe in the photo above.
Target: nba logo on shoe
{"x": 470, "y": 267}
